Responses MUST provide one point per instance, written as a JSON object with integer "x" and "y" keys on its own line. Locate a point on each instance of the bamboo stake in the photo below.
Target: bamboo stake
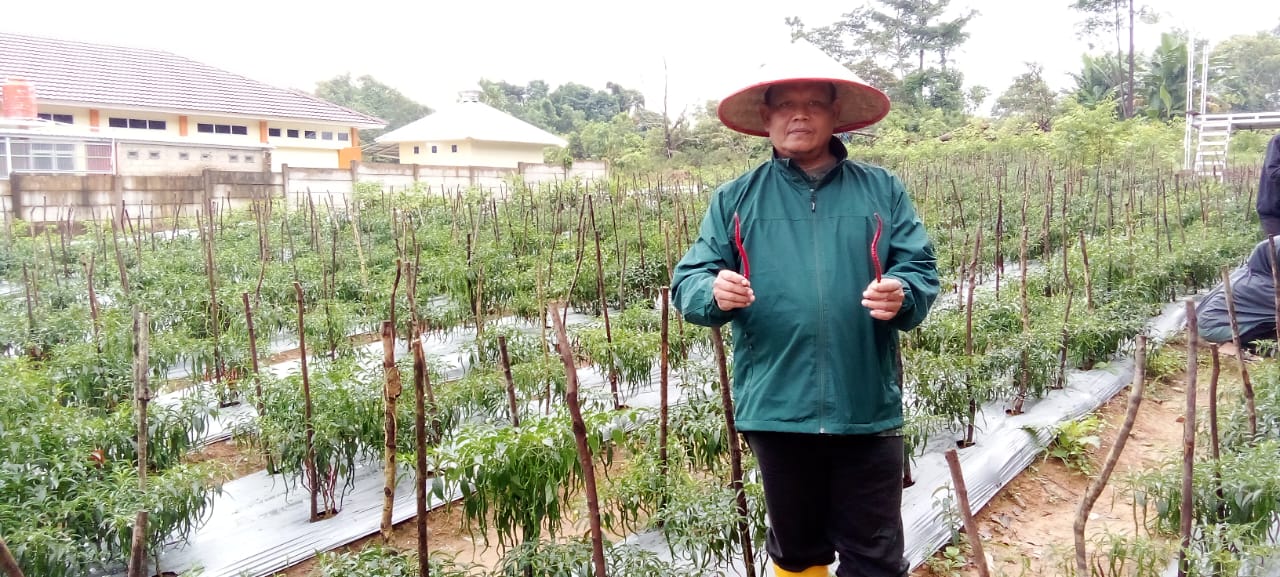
{"x": 93, "y": 301}
{"x": 966, "y": 514}
{"x": 1213, "y": 433}
{"x": 1244, "y": 369}
{"x": 1188, "y": 441}
{"x": 511, "y": 383}
{"x": 735, "y": 452}
{"x": 968, "y": 339}
{"x": 309, "y": 461}
{"x": 584, "y": 452}
{"x": 663, "y": 380}
{"x": 604, "y": 306}
{"x": 124, "y": 274}
{"x": 1113, "y": 456}
{"x": 253, "y": 351}
{"x": 1088, "y": 277}
{"x": 420, "y": 453}
{"x": 142, "y": 393}
{"x": 391, "y": 395}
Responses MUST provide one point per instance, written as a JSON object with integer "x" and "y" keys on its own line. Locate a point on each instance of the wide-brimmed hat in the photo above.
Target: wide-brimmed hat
{"x": 861, "y": 105}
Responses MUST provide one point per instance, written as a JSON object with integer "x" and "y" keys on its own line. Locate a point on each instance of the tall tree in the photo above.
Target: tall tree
{"x": 1104, "y": 17}
{"x": 371, "y": 97}
{"x": 902, "y": 46}
{"x": 1028, "y": 98}
{"x": 1250, "y": 66}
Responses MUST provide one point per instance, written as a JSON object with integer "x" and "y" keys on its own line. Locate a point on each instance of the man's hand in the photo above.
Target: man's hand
{"x": 732, "y": 291}
{"x": 884, "y": 298}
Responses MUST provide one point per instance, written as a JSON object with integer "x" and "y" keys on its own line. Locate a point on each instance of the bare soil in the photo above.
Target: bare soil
{"x": 1028, "y": 527}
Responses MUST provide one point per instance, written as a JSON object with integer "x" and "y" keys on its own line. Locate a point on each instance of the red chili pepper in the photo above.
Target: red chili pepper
{"x": 742, "y": 251}
{"x": 875, "y": 244}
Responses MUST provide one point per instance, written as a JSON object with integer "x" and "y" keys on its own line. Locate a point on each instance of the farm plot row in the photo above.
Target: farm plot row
{"x": 1115, "y": 243}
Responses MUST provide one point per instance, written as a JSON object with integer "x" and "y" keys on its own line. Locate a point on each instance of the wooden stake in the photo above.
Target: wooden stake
{"x": 253, "y": 351}
{"x": 511, "y": 383}
{"x": 390, "y": 395}
{"x": 1188, "y": 440}
{"x": 1088, "y": 277}
{"x": 309, "y": 461}
{"x": 584, "y": 452}
{"x": 1250, "y": 407}
{"x": 7, "y": 562}
{"x": 1113, "y": 456}
{"x": 604, "y": 305}
{"x": 663, "y": 380}
{"x": 966, "y": 514}
{"x": 420, "y": 445}
{"x": 142, "y": 393}
{"x": 735, "y": 452}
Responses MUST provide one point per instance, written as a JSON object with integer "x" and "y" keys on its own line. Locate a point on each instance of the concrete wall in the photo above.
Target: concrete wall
{"x": 147, "y": 158}
{"x": 48, "y": 198}
{"x": 51, "y": 198}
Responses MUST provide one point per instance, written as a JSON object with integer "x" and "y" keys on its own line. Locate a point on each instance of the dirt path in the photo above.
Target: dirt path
{"x": 1027, "y": 529}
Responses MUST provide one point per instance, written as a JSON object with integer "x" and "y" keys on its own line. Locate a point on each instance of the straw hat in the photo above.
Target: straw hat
{"x": 861, "y": 105}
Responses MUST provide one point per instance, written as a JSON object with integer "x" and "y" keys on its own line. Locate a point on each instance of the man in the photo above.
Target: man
{"x": 1269, "y": 189}
{"x": 784, "y": 253}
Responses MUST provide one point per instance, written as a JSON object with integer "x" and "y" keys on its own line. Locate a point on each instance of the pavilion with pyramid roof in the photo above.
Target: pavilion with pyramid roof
{"x": 470, "y": 133}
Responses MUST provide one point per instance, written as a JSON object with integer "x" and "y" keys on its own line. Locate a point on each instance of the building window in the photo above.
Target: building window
{"x": 293, "y": 133}
{"x": 184, "y": 156}
{"x": 233, "y": 157}
{"x": 415, "y": 150}
{"x": 273, "y": 132}
{"x": 98, "y": 157}
{"x": 222, "y": 128}
{"x": 59, "y": 118}
{"x": 206, "y": 156}
{"x": 139, "y": 123}
{"x": 309, "y": 135}
{"x": 132, "y": 155}
{"x": 248, "y": 158}
{"x": 454, "y": 148}
{"x": 433, "y": 149}
{"x": 43, "y": 156}
{"x": 4, "y": 159}
{"x": 342, "y": 136}
{"x": 326, "y": 135}
{"x": 155, "y": 155}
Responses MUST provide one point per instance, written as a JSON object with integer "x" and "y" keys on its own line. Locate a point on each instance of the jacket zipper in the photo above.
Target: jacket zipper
{"x": 821, "y": 349}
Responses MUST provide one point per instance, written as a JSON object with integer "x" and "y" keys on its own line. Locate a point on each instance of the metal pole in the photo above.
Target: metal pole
{"x": 1186, "y": 103}
{"x": 1204, "y": 80}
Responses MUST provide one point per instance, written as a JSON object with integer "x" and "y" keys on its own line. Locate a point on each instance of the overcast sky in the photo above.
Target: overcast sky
{"x": 430, "y": 49}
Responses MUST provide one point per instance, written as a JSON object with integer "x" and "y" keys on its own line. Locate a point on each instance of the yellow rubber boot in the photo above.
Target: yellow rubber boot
{"x": 815, "y": 571}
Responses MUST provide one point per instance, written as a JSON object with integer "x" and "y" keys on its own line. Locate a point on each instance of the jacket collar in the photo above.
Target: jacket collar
{"x": 834, "y": 145}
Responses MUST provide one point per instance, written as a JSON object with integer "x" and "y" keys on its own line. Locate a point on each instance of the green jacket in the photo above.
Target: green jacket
{"x": 808, "y": 357}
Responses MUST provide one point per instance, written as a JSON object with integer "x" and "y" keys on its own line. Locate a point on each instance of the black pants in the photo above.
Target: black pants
{"x": 829, "y": 494}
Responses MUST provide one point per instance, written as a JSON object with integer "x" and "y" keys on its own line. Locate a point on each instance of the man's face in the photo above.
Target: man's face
{"x": 800, "y": 117}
